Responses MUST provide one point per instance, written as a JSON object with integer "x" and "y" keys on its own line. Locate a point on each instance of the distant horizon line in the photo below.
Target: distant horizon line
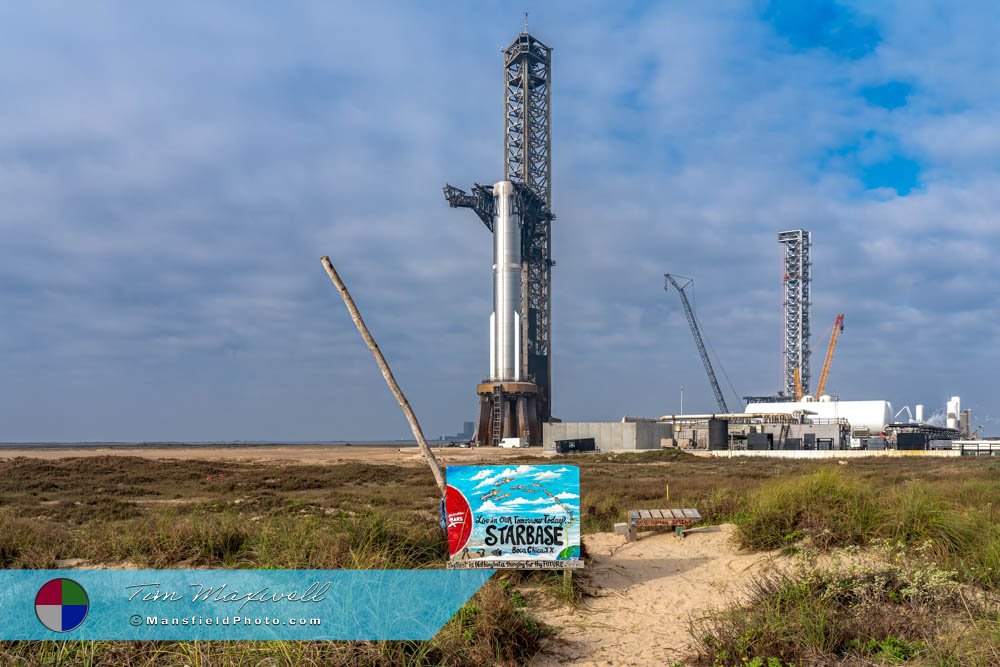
{"x": 203, "y": 443}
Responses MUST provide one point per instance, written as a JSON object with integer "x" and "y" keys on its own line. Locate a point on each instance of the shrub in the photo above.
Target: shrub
{"x": 825, "y": 506}
{"x": 891, "y": 608}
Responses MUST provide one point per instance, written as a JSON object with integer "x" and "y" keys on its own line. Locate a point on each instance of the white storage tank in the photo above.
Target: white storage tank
{"x": 953, "y": 410}
{"x": 873, "y": 415}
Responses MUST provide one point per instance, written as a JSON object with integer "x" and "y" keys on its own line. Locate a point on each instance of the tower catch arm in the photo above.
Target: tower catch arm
{"x": 480, "y": 201}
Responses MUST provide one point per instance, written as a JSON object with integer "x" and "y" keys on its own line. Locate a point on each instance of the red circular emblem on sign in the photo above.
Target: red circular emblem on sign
{"x": 459, "y": 517}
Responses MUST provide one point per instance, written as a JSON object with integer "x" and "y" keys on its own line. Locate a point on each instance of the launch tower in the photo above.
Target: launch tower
{"x": 797, "y": 281}
{"x": 521, "y": 203}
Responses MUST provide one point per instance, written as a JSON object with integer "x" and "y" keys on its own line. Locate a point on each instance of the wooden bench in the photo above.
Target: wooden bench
{"x": 652, "y": 519}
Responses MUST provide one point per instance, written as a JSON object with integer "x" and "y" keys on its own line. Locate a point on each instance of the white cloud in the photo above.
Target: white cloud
{"x": 514, "y": 502}
{"x": 505, "y": 473}
{"x": 489, "y": 506}
{"x": 685, "y": 138}
{"x": 553, "y": 509}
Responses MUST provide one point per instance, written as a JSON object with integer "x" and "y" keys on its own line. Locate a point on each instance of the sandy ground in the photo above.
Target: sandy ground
{"x": 642, "y": 595}
{"x": 284, "y": 453}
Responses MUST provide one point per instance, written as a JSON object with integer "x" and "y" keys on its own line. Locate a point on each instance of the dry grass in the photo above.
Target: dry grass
{"x": 115, "y": 510}
{"x": 892, "y": 607}
{"x": 166, "y": 513}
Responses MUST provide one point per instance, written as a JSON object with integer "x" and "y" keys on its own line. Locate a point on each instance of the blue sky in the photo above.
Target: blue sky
{"x": 170, "y": 175}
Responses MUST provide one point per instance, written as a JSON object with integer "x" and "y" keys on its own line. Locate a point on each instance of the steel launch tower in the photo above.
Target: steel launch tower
{"x": 797, "y": 281}
{"x": 516, "y": 400}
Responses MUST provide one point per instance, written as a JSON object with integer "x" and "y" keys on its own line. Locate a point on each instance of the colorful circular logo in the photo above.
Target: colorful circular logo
{"x": 459, "y": 519}
{"x": 61, "y": 605}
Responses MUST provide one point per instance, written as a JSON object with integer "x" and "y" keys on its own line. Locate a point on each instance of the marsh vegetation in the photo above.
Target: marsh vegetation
{"x": 933, "y": 588}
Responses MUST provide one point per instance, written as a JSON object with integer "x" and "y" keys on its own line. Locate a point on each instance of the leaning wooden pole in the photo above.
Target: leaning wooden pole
{"x": 386, "y": 373}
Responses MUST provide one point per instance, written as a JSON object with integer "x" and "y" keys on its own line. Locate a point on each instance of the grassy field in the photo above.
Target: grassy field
{"x": 938, "y": 515}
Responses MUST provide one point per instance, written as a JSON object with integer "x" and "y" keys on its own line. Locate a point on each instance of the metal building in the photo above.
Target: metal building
{"x": 516, "y": 402}
{"x": 870, "y": 416}
{"x": 798, "y": 276}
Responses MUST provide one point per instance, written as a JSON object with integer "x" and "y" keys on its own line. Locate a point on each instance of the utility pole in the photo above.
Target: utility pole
{"x": 390, "y": 380}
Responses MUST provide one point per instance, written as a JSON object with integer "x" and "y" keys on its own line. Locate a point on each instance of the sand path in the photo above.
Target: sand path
{"x": 642, "y": 594}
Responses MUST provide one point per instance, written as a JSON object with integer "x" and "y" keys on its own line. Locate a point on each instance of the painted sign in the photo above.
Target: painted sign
{"x": 513, "y": 517}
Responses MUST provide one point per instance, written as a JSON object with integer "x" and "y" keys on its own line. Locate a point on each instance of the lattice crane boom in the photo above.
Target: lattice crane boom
{"x": 838, "y": 327}
{"x": 696, "y": 332}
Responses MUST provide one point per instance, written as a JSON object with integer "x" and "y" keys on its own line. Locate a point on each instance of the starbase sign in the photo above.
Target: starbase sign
{"x": 513, "y": 517}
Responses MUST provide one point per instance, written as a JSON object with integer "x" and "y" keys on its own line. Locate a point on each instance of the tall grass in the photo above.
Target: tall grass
{"x": 831, "y": 509}
{"x": 952, "y": 524}
{"x": 165, "y": 538}
{"x": 191, "y": 514}
{"x": 494, "y": 628}
{"x": 888, "y": 610}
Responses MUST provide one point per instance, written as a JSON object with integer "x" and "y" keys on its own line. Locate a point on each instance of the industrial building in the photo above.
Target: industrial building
{"x": 708, "y": 431}
{"x": 628, "y": 435}
{"x": 756, "y": 431}
{"x": 863, "y": 416}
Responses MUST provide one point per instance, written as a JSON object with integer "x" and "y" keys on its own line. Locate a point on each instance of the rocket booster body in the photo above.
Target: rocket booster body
{"x": 505, "y": 322}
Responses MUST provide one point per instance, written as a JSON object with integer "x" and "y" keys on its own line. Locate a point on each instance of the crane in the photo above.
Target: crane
{"x": 798, "y": 385}
{"x": 697, "y": 337}
{"x": 838, "y": 326}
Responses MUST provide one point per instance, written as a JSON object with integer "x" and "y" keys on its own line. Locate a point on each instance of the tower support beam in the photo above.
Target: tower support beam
{"x": 528, "y": 162}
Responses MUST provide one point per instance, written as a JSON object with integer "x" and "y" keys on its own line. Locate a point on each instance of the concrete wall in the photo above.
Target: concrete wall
{"x": 610, "y": 436}
{"x": 834, "y": 454}
{"x": 649, "y": 434}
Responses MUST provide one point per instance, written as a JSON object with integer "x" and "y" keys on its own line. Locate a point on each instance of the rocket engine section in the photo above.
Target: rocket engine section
{"x": 505, "y": 322}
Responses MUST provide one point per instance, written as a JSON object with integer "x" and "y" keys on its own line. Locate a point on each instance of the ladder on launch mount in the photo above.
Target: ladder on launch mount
{"x": 497, "y": 434}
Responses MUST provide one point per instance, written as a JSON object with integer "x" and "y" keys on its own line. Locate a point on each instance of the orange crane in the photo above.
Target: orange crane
{"x": 798, "y": 385}
{"x": 838, "y": 326}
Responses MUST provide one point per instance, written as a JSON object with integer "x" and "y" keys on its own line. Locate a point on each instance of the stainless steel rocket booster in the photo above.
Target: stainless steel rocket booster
{"x": 505, "y": 322}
